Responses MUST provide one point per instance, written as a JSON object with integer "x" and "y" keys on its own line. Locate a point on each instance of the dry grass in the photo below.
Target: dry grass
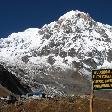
{"x": 77, "y": 104}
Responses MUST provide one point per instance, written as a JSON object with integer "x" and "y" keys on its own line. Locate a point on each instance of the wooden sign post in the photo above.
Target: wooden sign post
{"x": 101, "y": 80}
{"x": 91, "y": 98}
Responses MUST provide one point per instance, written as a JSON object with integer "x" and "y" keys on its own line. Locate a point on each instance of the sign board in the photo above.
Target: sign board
{"x": 102, "y": 79}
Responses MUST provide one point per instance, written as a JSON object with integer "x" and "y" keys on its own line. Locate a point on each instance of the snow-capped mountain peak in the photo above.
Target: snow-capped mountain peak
{"x": 73, "y": 14}
{"x": 74, "y": 44}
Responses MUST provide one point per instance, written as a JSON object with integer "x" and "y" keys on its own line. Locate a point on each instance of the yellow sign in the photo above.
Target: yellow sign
{"x": 102, "y": 79}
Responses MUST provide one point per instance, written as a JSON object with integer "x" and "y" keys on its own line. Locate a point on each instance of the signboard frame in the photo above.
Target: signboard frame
{"x": 101, "y": 80}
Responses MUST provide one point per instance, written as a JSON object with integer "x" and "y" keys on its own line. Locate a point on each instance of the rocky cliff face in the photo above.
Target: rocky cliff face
{"x": 59, "y": 57}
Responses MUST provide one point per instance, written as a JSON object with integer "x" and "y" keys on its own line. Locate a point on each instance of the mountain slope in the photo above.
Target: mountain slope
{"x": 59, "y": 57}
{"x": 4, "y": 91}
{"x": 10, "y": 84}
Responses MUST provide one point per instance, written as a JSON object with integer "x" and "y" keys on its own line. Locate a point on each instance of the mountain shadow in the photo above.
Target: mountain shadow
{"x": 12, "y": 83}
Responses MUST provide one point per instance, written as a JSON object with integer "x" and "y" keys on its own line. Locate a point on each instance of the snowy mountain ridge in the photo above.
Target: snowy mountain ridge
{"x": 48, "y": 57}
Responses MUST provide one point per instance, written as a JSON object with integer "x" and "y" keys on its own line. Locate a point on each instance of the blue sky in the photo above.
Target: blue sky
{"x": 18, "y": 15}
